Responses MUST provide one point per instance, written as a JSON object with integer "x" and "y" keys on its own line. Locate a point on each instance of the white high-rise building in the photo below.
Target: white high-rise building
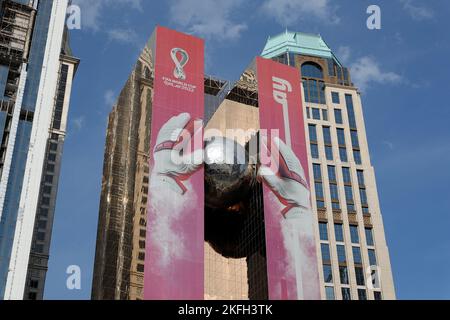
{"x": 36, "y": 72}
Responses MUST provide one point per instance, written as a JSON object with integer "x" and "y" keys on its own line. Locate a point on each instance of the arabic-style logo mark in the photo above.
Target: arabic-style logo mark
{"x": 179, "y": 72}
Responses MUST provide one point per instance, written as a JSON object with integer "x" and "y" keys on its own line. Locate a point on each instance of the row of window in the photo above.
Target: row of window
{"x": 334, "y": 191}
{"x": 46, "y": 193}
{"x": 344, "y": 280}
{"x": 339, "y": 234}
{"x": 317, "y": 114}
{"x": 340, "y": 132}
{"x": 346, "y": 294}
{"x": 322, "y": 114}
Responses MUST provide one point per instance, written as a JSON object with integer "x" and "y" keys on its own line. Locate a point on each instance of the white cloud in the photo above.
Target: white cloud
{"x": 389, "y": 144}
{"x": 110, "y": 98}
{"x": 366, "y": 70}
{"x": 287, "y": 12}
{"x": 343, "y": 54}
{"x": 208, "y": 18}
{"x": 417, "y": 12}
{"x": 123, "y": 36}
{"x": 91, "y": 10}
{"x": 79, "y": 122}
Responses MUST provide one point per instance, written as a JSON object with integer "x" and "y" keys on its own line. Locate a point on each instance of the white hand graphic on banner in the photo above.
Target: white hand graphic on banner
{"x": 290, "y": 187}
{"x": 173, "y": 164}
{"x": 289, "y": 183}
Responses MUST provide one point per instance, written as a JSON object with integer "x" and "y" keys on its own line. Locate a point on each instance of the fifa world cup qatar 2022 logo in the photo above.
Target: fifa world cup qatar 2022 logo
{"x": 180, "y": 57}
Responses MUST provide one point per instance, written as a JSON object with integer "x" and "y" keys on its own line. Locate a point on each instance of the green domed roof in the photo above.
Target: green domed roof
{"x": 299, "y": 43}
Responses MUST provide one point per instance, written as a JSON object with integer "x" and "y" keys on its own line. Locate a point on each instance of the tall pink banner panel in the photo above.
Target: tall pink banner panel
{"x": 175, "y": 238}
{"x": 290, "y": 240}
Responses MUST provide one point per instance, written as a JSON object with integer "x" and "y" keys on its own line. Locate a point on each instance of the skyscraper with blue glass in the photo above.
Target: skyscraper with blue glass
{"x": 36, "y": 72}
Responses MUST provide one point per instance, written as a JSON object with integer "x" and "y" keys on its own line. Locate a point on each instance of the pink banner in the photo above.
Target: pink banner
{"x": 291, "y": 250}
{"x": 175, "y": 239}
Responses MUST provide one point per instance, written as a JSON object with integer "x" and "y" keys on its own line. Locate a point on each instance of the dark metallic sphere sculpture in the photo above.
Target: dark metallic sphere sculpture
{"x": 228, "y": 175}
{"x": 229, "y": 182}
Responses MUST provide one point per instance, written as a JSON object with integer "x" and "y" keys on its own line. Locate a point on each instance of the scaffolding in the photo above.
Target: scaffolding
{"x": 16, "y": 26}
{"x": 245, "y": 89}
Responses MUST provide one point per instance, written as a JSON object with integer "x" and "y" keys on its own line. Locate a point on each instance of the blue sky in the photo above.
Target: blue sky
{"x": 404, "y": 72}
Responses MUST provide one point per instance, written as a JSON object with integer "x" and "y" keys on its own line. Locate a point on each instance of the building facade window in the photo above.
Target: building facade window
{"x": 313, "y": 140}
{"x": 354, "y": 234}
{"x": 317, "y": 172}
{"x": 327, "y": 273}
{"x": 350, "y": 111}
{"x": 343, "y": 154}
{"x": 342, "y": 145}
{"x": 326, "y": 257}
{"x": 343, "y": 274}
{"x": 324, "y": 115}
{"x": 348, "y": 189}
{"x": 335, "y": 97}
{"x": 346, "y": 294}
{"x": 314, "y": 151}
{"x": 350, "y": 199}
{"x": 372, "y": 257}
{"x": 355, "y": 139}
{"x": 312, "y": 70}
{"x": 339, "y": 232}
{"x": 312, "y": 133}
{"x": 329, "y": 291}
{"x": 320, "y": 195}
{"x": 341, "y": 137}
{"x": 356, "y": 147}
{"x": 34, "y": 284}
{"x": 362, "y": 294}
{"x": 359, "y": 272}
{"x": 316, "y": 114}
{"x": 346, "y": 175}
{"x": 338, "y": 116}
{"x": 328, "y": 143}
{"x": 323, "y": 231}
{"x": 342, "y": 257}
{"x": 40, "y": 236}
{"x": 369, "y": 237}
{"x": 357, "y": 258}
{"x": 363, "y": 191}
{"x": 334, "y": 188}
{"x": 329, "y": 153}
{"x": 313, "y": 84}
{"x": 327, "y": 135}
{"x": 52, "y": 157}
{"x": 318, "y": 185}
{"x": 357, "y": 157}
{"x": 141, "y": 256}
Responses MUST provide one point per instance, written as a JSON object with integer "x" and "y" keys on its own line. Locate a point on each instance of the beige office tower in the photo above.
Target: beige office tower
{"x": 352, "y": 249}
{"x": 351, "y": 246}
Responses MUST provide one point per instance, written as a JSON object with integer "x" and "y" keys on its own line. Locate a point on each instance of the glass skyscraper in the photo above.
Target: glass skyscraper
{"x": 36, "y": 72}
